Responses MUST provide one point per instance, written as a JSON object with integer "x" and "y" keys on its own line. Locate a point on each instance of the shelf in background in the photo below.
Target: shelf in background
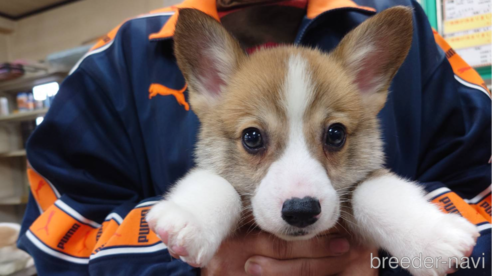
{"x": 28, "y": 271}
{"x": 15, "y": 153}
{"x": 29, "y": 80}
{"x": 23, "y": 116}
{"x": 13, "y": 200}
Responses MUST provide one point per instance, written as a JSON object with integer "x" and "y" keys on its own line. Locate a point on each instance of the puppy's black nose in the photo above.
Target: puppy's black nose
{"x": 301, "y": 212}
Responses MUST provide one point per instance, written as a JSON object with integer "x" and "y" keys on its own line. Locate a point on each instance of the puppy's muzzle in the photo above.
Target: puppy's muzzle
{"x": 301, "y": 212}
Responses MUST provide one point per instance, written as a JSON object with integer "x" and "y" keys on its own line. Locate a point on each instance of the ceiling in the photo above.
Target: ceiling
{"x": 18, "y": 9}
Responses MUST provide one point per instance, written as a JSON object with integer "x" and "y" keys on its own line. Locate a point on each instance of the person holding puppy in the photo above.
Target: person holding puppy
{"x": 121, "y": 132}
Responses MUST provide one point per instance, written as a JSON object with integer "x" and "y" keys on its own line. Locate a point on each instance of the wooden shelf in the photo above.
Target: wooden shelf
{"x": 23, "y": 116}
{"x": 15, "y": 153}
{"x": 29, "y": 80}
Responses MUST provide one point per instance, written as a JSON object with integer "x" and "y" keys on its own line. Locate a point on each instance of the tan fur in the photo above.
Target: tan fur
{"x": 393, "y": 28}
{"x": 253, "y": 98}
{"x": 210, "y": 34}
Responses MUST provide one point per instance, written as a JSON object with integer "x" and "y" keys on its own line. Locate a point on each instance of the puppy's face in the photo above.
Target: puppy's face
{"x": 293, "y": 129}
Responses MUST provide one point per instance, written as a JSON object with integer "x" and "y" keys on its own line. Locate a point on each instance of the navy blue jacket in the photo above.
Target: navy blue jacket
{"x": 120, "y": 133}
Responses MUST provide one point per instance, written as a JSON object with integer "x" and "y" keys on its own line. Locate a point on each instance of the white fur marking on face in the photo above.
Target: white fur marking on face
{"x": 296, "y": 173}
{"x": 298, "y": 90}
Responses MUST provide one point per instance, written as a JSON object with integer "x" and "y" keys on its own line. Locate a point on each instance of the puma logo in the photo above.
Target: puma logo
{"x": 464, "y": 69}
{"x": 45, "y": 228}
{"x": 41, "y": 184}
{"x": 158, "y": 89}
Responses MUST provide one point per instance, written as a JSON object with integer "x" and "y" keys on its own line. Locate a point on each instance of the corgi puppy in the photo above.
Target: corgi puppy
{"x": 290, "y": 136}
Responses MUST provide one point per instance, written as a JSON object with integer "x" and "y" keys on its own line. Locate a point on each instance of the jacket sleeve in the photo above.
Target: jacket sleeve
{"x": 455, "y": 148}
{"x": 454, "y": 162}
{"x": 86, "y": 214}
{"x": 447, "y": 122}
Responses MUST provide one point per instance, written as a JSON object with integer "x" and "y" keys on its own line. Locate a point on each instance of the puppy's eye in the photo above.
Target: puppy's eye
{"x": 335, "y": 136}
{"x": 252, "y": 139}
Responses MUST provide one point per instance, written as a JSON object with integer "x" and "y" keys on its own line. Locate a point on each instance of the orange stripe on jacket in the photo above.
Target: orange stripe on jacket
{"x": 107, "y": 38}
{"x": 452, "y": 203}
{"x": 63, "y": 233}
{"x": 459, "y": 65}
{"x": 133, "y": 231}
{"x": 105, "y": 233}
{"x": 317, "y": 7}
{"x": 41, "y": 190}
{"x": 112, "y": 34}
{"x": 484, "y": 207}
{"x": 207, "y": 6}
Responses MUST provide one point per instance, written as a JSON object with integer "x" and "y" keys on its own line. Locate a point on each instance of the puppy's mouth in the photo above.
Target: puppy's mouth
{"x": 298, "y": 233}
{"x": 292, "y": 234}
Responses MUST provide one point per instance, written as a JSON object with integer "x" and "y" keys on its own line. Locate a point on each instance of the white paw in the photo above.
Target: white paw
{"x": 450, "y": 238}
{"x": 183, "y": 233}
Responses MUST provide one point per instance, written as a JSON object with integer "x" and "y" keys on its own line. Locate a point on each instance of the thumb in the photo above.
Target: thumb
{"x": 263, "y": 266}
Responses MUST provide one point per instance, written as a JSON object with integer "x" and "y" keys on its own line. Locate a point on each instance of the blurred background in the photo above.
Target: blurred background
{"x": 41, "y": 40}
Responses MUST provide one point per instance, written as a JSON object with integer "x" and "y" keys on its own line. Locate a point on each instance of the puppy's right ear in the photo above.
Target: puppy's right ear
{"x": 207, "y": 56}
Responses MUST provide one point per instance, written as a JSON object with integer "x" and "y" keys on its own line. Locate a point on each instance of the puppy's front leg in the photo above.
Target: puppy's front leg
{"x": 394, "y": 214}
{"x": 195, "y": 217}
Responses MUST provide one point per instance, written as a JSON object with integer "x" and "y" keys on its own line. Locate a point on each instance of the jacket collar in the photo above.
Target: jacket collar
{"x": 315, "y": 8}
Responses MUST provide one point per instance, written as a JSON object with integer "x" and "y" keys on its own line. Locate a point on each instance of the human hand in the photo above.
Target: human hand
{"x": 259, "y": 253}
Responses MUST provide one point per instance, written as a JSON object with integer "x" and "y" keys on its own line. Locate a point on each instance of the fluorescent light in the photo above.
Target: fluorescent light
{"x": 39, "y": 120}
{"x": 45, "y": 90}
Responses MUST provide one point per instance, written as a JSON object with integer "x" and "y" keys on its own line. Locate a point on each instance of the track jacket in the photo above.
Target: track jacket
{"x": 120, "y": 132}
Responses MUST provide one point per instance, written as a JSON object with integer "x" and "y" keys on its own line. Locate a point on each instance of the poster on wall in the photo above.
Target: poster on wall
{"x": 467, "y": 27}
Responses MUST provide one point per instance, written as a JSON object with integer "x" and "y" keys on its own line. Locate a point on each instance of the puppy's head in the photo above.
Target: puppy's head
{"x": 291, "y": 128}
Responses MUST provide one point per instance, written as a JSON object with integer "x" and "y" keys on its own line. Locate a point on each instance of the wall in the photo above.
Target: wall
{"x": 4, "y": 55}
{"x": 72, "y": 25}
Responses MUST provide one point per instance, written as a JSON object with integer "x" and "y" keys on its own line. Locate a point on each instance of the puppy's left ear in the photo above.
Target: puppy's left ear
{"x": 374, "y": 51}
{"x": 207, "y": 56}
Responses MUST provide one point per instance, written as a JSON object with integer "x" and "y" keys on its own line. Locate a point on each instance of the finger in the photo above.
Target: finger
{"x": 180, "y": 250}
{"x": 173, "y": 254}
{"x": 317, "y": 247}
{"x": 262, "y": 266}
